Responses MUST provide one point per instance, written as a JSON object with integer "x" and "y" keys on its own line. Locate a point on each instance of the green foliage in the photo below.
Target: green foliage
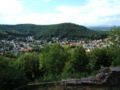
{"x": 3, "y": 34}
{"x": 62, "y": 31}
{"x": 79, "y": 59}
{"x": 115, "y": 36}
{"x": 53, "y": 59}
{"x": 10, "y": 77}
{"x": 116, "y": 53}
{"x": 29, "y": 64}
{"x": 101, "y": 57}
{"x": 115, "y": 31}
{"x": 77, "y": 65}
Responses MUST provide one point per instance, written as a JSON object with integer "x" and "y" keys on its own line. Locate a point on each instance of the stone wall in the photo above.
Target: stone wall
{"x": 106, "y": 79}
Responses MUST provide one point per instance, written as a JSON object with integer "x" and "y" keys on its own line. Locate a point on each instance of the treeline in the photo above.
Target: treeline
{"x": 61, "y": 31}
{"x": 54, "y": 63}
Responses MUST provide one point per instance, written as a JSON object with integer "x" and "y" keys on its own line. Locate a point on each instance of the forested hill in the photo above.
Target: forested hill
{"x": 63, "y": 30}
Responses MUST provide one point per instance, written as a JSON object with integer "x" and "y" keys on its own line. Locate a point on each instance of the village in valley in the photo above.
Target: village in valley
{"x": 29, "y": 44}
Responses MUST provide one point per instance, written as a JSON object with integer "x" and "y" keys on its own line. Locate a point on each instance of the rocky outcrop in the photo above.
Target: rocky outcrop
{"x": 114, "y": 77}
{"x": 106, "y": 77}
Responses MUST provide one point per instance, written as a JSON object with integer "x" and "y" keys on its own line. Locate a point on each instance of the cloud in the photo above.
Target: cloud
{"x": 94, "y": 12}
{"x": 10, "y": 7}
{"x": 36, "y": 18}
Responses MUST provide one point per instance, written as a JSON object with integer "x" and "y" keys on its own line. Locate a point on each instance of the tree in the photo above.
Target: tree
{"x": 30, "y": 65}
{"x": 115, "y": 36}
{"x": 53, "y": 60}
{"x": 101, "y": 57}
{"x": 10, "y": 77}
{"x": 116, "y": 58}
{"x": 77, "y": 65}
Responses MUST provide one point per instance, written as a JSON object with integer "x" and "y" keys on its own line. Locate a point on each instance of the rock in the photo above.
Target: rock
{"x": 106, "y": 76}
{"x": 114, "y": 77}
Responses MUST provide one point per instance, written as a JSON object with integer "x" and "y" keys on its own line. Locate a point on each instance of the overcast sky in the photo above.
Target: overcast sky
{"x": 83, "y": 12}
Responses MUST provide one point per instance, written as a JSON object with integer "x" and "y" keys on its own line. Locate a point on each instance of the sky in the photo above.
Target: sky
{"x": 44, "y": 12}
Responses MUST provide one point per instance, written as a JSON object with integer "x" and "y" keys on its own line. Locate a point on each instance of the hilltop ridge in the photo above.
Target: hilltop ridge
{"x": 63, "y": 30}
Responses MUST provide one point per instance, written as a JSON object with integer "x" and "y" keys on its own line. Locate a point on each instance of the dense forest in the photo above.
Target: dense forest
{"x": 55, "y": 62}
{"x": 61, "y": 31}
